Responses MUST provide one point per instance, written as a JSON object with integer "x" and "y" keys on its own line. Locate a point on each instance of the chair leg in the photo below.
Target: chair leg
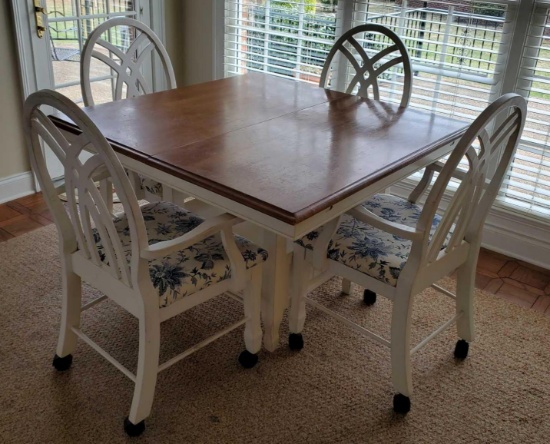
{"x": 253, "y": 327}
{"x": 346, "y": 286}
{"x": 465, "y": 284}
{"x": 70, "y": 317}
{"x": 400, "y": 352}
{"x": 147, "y": 370}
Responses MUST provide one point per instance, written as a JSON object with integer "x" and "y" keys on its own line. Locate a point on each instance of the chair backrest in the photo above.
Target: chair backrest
{"x": 497, "y": 130}
{"x": 86, "y": 207}
{"x": 373, "y": 54}
{"x": 127, "y": 65}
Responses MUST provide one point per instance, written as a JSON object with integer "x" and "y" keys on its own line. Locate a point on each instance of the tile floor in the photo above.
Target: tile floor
{"x": 519, "y": 282}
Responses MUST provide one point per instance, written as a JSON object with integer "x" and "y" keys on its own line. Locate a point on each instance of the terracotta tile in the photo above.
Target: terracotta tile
{"x": 37, "y": 211}
{"x": 517, "y": 295}
{"x": 20, "y": 225}
{"x": 523, "y": 286}
{"x": 7, "y": 213}
{"x": 534, "y": 267}
{"x": 494, "y": 254}
{"x": 4, "y": 235}
{"x": 490, "y": 261}
{"x": 482, "y": 280}
{"x": 40, "y": 219}
{"x": 489, "y": 274}
{"x": 494, "y": 285}
{"x": 40, "y": 208}
{"x": 30, "y": 200}
{"x": 542, "y": 304}
{"x": 533, "y": 278}
{"x": 508, "y": 269}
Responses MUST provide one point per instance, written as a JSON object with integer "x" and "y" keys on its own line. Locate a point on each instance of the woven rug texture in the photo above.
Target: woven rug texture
{"x": 336, "y": 390}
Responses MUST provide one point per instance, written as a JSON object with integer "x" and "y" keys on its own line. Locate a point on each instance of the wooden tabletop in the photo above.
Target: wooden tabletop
{"x": 285, "y": 148}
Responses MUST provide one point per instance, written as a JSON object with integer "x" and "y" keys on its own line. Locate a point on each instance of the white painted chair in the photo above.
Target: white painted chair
{"x": 377, "y": 61}
{"x": 397, "y": 248}
{"x": 126, "y": 67}
{"x": 155, "y": 261}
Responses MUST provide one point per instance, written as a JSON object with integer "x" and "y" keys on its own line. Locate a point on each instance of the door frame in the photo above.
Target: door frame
{"x": 32, "y": 49}
{"x": 35, "y": 52}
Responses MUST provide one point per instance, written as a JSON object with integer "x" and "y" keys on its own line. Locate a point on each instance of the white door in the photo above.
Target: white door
{"x": 52, "y": 33}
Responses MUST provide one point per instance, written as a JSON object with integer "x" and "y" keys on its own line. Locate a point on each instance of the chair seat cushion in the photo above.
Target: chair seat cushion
{"x": 151, "y": 186}
{"x": 370, "y": 250}
{"x": 187, "y": 271}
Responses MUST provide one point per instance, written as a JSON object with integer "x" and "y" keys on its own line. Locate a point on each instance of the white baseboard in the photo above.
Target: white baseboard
{"x": 508, "y": 233}
{"x": 14, "y": 187}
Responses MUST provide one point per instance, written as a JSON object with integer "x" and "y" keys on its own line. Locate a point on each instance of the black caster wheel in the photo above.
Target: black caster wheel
{"x": 62, "y": 364}
{"x": 461, "y": 349}
{"x": 369, "y": 297}
{"x": 295, "y": 341}
{"x": 247, "y": 359}
{"x": 401, "y": 404}
{"x": 134, "y": 429}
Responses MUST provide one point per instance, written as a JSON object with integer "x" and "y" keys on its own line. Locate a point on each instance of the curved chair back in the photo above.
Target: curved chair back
{"x": 88, "y": 213}
{"x": 127, "y": 65}
{"x": 497, "y": 130}
{"x": 373, "y": 54}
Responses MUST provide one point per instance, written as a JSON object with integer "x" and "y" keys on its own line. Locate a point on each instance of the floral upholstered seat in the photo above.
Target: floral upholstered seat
{"x": 370, "y": 250}
{"x": 188, "y": 271}
{"x": 151, "y": 186}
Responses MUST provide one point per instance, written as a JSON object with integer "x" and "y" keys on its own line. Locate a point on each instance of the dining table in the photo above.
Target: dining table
{"x": 285, "y": 156}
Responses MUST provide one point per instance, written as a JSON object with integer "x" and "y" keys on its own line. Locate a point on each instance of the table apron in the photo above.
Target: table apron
{"x": 289, "y": 231}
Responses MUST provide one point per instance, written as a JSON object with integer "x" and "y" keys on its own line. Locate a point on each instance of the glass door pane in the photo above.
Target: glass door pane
{"x": 69, "y": 24}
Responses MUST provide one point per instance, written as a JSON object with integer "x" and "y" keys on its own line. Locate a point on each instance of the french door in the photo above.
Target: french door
{"x": 50, "y": 38}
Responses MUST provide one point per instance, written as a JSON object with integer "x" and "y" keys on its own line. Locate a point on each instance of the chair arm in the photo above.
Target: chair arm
{"x": 368, "y": 217}
{"x": 426, "y": 179}
{"x": 204, "y": 230}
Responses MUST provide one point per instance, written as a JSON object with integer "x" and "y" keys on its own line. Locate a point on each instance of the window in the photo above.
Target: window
{"x": 464, "y": 53}
{"x": 69, "y": 24}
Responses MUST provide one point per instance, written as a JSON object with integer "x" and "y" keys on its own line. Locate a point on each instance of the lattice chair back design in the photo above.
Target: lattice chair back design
{"x": 376, "y": 61}
{"x": 127, "y": 67}
{"x": 155, "y": 260}
{"x": 397, "y": 248}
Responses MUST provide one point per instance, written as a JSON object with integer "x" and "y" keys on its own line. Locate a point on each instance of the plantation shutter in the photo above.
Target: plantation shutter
{"x": 527, "y": 187}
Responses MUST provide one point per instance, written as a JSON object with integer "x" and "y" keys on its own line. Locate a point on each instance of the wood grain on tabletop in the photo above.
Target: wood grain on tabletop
{"x": 285, "y": 148}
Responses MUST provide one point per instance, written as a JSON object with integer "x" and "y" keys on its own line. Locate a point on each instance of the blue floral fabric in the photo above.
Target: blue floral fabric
{"x": 187, "y": 271}
{"x": 370, "y": 250}
{"x": 152, "y": 186}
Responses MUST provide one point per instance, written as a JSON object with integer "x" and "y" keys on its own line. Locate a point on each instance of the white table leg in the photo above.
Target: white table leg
{"x": 274, "y": 287}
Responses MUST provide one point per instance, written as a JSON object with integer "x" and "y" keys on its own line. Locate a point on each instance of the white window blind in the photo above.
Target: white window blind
{"x": 464, "y": 54}
{"x": 285, "y": 38}
{"x": 454, "y": 47}
{"x": 528, "y": 185}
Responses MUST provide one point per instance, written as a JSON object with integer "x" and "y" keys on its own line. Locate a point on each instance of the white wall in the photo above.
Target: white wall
{"x": 174, "y": 33}
{"x": 13, "y": 158}
{"x": 198, "y": 45}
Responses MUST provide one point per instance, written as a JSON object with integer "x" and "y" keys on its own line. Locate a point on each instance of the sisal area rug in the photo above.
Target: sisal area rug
{"x": 336, "y": 390}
